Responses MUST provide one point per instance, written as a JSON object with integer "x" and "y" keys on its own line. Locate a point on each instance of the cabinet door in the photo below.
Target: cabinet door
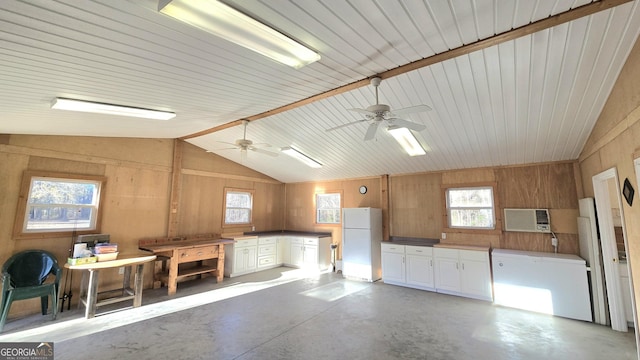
{"x": 283, "y": 255}
{"x": 393, "y": 267}
{"x": 310, "y": 257}
{"x": 419, "y": 270}
{"x": 297, "y": 254}
{"x": 240, "y": 260}
{"x": 251, "y": 258}
{"x": 475, "y": 278}
{"x": 244, "y": 259}
{"x": 447, "y": 274}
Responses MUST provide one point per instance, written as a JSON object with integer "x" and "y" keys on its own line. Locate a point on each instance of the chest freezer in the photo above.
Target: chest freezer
{"x": 549, "y": 283}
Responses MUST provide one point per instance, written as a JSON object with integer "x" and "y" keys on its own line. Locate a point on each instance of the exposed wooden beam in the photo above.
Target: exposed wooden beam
{"x": 513, "y": 34}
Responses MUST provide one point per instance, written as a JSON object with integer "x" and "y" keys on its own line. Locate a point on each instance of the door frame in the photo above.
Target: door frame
{"x": 608, "y": 244}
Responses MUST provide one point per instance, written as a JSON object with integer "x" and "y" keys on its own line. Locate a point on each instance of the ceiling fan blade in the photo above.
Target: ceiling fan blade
{"x": 406, "y": 124}
{"x": 261, "y": 151}
{"x": 261, "y": 145}
{"x": 347, "y": 124}
{"x": 363, "y": 112}
{"x": 371, "y": 131}
{"x": 227, "y": 143}
{"x": 411, "y": 110}
{"x": 229, "y": 148}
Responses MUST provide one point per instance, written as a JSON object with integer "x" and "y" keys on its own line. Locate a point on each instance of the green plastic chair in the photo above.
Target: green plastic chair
{"x": 24, "y": 276}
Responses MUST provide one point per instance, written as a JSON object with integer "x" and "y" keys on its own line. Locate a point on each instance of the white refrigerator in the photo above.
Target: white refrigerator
{"x": 361, "y": 238}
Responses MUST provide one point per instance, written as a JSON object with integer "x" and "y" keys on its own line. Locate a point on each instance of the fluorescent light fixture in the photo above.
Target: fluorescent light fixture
{"x": 224, "y": 21}
{"x": 101, "y": 108}
{"x": 407, "y": 140}
{"x": 300, "y": 156}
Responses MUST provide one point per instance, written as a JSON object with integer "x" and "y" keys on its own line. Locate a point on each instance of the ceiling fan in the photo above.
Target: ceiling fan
{"x": 245, "y": 144}
{"x": 376, "y": 114}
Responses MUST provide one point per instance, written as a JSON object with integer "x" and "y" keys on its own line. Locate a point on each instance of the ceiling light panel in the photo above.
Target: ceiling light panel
{"x": 223, "y": 21}
{"x": 110, "y": 109}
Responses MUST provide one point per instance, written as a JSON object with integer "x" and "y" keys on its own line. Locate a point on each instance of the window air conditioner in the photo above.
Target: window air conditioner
{"x": 527, "y": 220}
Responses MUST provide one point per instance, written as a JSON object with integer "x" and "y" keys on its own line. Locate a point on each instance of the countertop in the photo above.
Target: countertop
{"x": 464, "y": 247}
{"x": 287, "y": 232}
{"x": 413, "y": 241}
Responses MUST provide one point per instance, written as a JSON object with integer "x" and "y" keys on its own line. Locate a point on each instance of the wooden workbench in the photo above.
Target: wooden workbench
{"x": 184, "y": 250}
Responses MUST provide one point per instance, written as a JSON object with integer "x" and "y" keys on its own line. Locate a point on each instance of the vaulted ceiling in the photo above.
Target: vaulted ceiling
{"x": 531, "y": 98}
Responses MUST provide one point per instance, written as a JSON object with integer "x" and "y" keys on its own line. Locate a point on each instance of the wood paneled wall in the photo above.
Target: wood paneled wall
{"x": 416, "y": 204}
{"x": 614, "y": 143}
{"x": 137, "y": 192}
{"x": 300, "y": 202}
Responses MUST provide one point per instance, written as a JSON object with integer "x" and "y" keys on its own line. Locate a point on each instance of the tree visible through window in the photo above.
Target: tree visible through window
{"x": 328, "y": 208}
{"x": 471, "y": 207}
{"x": 238, "y": 206}
{"x": 56, "y": 204}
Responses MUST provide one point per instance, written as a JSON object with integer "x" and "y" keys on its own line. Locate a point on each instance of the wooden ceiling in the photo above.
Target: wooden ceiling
{"x": 510, "y": 82}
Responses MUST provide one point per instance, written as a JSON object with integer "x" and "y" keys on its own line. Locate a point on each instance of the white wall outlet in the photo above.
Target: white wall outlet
{"x": 554, "y": 241}
{"x": 121, "y": 270}
{"x": 444, "y": 236}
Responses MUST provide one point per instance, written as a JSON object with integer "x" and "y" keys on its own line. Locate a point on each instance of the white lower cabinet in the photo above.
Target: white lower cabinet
{"x": 250, "y": 254}
{"x": 310, "y": 252}
{"x": 241, "y": 257}
{"x": 419, "y": 266}
{"x": 267, "y": 252}
{"x": 408, "y": 265}
{"x": 393, "y": 264}
{"x": 463, "y": 272}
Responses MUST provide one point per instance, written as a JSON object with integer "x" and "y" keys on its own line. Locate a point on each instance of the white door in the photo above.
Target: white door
{"x": 609, "y": 249}
{"x": 393, "y": 267}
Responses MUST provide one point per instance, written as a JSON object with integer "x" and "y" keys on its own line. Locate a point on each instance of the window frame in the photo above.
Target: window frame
{"x": 447, "y": 214}
{"x": 227, "y": 190}
{"x": 316, "y": 212}
{"x": 21, "y": 217}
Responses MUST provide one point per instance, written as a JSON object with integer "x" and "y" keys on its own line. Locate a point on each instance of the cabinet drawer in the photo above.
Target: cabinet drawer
{"x": 196, "y": 254}
{"x": 297, "y": 240}
{"x": 393, "y": 248}
{"x": 266, "y": 260}
{"x": 311, "y": 241}
{"x": 246, "y": 242}
{"x": 418, "y": 250}
{"x": 266, "y": 250}
{"x": 474, "y": 255}
{"x": 267, "y": 240}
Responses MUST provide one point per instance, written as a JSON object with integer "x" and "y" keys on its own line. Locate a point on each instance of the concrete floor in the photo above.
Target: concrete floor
{"x": 290, "y": 314}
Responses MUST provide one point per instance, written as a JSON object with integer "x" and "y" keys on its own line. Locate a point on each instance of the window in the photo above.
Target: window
{"x": 328, "y": 208}
{"x": 58, "y": 205}
{"x": 471, "y": 208}
{"x": 238, "y": 205}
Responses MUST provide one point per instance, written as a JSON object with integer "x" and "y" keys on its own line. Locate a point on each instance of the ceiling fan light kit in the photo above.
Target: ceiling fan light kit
{"x": 230, "y": 24}
{"x": 110, "y": 109}
{"x": 301, "y": 157}
{"x": 245, "y": 144}
{"x": 377, "y": 113}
